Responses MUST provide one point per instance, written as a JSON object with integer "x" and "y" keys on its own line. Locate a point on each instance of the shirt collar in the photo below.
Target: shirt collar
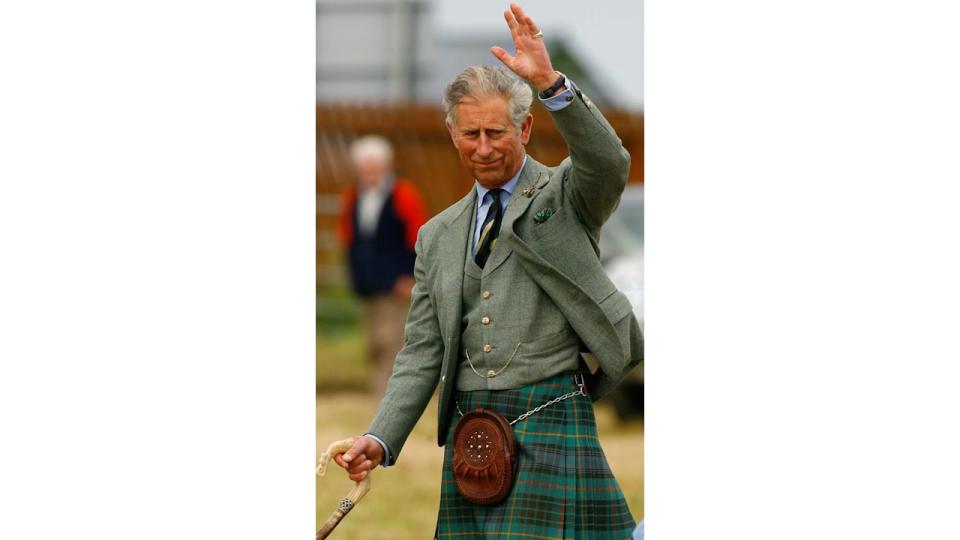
{"x": 508, "y": 187}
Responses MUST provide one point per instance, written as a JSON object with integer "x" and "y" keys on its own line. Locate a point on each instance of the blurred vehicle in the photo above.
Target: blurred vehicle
{"x": 621, "y": 252}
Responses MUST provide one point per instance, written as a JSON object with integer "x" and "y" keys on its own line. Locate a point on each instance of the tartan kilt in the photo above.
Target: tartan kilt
{"x": 564, "y": 487}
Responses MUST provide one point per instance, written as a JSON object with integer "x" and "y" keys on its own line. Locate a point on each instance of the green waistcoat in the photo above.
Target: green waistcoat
{"x": 507, "y": 346}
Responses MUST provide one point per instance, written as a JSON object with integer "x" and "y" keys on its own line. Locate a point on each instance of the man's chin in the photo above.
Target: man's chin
{"x": 490, "y": 179}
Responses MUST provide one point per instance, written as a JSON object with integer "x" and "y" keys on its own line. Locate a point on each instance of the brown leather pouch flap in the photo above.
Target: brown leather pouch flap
{"x": 484, "y": 456}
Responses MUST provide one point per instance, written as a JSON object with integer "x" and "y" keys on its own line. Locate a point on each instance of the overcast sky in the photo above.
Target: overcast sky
{"x": 606, "y": 34}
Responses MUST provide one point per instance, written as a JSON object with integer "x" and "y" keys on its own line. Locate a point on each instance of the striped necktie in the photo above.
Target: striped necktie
{"x": 490, "y": 229}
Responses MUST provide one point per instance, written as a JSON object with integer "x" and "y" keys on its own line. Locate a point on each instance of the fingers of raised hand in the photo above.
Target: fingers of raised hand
{"x": 524, "y": 19}
{"x": 511, "y": 21}
{"x": 502, "y": 55}
{"x": 519, "y": 22}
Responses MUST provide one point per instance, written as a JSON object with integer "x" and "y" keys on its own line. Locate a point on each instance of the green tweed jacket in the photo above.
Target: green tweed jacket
{"x": 555, "y": 237}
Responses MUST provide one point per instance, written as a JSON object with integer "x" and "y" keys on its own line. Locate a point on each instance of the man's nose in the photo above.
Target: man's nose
{"x": 483, "y": 145}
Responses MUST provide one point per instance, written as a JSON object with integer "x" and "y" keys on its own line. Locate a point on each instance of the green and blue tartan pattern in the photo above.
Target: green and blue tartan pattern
{"x": 564, "y": 487}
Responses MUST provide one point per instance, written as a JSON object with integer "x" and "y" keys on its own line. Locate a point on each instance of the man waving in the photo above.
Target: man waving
{"x": 509, "y": 292}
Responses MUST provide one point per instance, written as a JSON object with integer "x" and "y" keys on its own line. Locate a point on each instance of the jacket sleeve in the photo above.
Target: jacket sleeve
{"x": 345, "y": 218}
{"x": 599, "y": 164}
{"x": 594, "y": 178}
{"x": 416, "y": 370}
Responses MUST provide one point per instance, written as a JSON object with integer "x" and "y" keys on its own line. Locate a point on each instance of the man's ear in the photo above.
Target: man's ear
{"x": 526, "y": 128}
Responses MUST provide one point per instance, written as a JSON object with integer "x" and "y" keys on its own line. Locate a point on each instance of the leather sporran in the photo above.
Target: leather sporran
{"x": 484, "y": 456}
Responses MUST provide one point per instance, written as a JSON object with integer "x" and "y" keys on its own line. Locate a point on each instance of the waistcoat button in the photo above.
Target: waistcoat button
{"x": 491, "y": 373}
{"x": 486, "y": 294}
{"x": 487, "y": 348}
{"x": 485, "y": 320}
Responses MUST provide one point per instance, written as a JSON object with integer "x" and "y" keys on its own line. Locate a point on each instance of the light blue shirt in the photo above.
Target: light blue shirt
{"x": 561, "y": 100}
{"x": 554, "y": 103}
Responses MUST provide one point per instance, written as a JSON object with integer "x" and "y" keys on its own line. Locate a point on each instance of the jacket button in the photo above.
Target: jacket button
{"x": 485, "y": 320}
{"x": 491, "y": 373}
{"x": 486, "y": 294}
{"x": 487, "y": 348}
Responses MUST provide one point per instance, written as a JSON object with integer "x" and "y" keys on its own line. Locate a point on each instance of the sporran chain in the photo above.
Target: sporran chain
{"x": 578, "y": 378}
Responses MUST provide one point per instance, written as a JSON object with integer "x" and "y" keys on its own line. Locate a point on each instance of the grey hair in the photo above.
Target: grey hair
{"x": 373, "y": 146}
{"x": 476, "y": 81}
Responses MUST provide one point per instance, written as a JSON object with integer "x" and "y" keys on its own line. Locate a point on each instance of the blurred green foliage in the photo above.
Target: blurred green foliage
{"x": 338, "y": 310}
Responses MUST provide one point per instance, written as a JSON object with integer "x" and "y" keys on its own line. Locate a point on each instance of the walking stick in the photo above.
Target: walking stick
{"x": 348, "y": 502}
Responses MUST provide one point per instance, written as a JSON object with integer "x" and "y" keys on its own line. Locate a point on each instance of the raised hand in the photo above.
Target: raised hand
{"x": 531, "y": 60}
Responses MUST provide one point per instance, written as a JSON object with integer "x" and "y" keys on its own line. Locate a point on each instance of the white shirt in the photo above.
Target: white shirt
{"x": 370, "y": 204}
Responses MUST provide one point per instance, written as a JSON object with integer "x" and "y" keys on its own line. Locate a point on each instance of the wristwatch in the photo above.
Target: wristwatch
{"x": 549, "y": 92}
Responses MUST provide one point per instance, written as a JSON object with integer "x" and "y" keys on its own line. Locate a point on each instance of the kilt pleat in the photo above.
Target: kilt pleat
{"x": 564, "y": 487}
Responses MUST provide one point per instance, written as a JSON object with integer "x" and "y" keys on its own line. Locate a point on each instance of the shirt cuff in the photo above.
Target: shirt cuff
{"x": 560, "y": 100}
{"x": 387, "y": 458}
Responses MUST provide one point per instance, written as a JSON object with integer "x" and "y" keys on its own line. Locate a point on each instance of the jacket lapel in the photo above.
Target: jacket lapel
{"x": 453, "y": 252}
{"x": 533, "y": 177}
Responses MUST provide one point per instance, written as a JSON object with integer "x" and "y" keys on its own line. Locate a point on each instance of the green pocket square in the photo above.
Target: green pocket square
{"x": 543, "y": 215}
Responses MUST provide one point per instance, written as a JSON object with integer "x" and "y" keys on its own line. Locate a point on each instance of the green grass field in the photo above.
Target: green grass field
{"x": 403, "y": 500}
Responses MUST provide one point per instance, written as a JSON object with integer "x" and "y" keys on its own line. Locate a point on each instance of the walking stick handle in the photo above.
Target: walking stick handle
{"x": 354, "y": 495}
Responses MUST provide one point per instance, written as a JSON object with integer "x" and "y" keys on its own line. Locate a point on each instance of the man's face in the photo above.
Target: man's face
{"x": 370, "y": 172}
{"x": 490, "y": 146}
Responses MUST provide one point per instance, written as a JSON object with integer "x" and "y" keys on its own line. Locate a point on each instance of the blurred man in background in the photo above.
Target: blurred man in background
{"x": 378, "y": 225}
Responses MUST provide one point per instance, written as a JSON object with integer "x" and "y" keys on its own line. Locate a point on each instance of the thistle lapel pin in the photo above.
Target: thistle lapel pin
{"x": 543, "y": 215}
{"x": 528, "y": 192}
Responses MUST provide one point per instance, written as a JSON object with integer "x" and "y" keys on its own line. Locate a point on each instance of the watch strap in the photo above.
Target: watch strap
{"x": 549, "y": 92}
